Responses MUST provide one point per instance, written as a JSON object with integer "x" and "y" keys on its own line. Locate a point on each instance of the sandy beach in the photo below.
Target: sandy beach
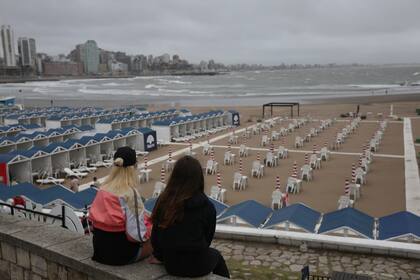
{"x": 384, "y": 192}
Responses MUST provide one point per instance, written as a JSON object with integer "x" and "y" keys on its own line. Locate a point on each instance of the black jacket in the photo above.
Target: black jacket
{"x": 184, "y": 246}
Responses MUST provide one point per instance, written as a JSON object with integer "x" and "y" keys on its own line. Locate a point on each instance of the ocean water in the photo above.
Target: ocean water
{"x": 246, "y": 88}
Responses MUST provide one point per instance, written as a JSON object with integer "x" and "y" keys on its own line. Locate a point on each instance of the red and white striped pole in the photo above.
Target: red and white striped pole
{"x": 170, "y": 154}
{"x": 360, "y": 161}
{"x": 212, "y": 154}
{"x": 240, "y": 166}
{"x": 283, "y": 141}
{"x": 145, "y": 162}
{"x": 229, "y": 147}
{"x": 347, "y": 188}
{"x": 272, "y": 147}
{"x": 277, "y": 182}
{"x": 353, "y": 173}
{"x": 294, "y": 175}
{"x": 190, "y": 143}
{"x": 314, "y": 149}
{"x": 258, "y": 156}
{"x": 162, "y": 175}
{"x": 218, "y": 180}
{"x": 306, "y": 159}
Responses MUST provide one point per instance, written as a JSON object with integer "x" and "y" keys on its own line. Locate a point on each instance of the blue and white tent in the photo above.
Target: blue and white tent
{"x": 296, "y": 217}
{"x": 400, "y": 226}
{"x": 348, "y": 222}
{"x": 249, "y": 213}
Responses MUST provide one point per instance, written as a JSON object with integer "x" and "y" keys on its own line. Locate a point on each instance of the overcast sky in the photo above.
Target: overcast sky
{"x": 229, "y": 31}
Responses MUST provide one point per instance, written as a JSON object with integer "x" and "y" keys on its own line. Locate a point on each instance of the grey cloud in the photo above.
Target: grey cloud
{"x": 230, "y": 31}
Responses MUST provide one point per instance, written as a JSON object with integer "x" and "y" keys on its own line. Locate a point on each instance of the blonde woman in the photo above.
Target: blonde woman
{"x": 120, "y": 229}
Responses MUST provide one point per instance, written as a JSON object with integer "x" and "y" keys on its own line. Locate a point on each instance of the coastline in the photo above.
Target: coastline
{"x": 63, "y": 78}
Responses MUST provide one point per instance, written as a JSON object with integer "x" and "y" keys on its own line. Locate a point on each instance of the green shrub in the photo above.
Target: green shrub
{"x": 418, "y": 111}
{"x": 418, "y": 140}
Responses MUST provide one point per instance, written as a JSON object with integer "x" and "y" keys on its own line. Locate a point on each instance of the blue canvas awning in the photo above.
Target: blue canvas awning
{"x": 398, "y": 225}
{"x": 249, "y": 211}
{"x": 297, "y": 214}
{"x": 349, "y": 218}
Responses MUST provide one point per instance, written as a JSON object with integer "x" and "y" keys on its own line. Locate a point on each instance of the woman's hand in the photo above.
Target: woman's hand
{"x": 153, "y": 260}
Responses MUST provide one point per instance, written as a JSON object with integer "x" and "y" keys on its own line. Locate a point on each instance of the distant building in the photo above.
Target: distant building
{"x": 118, "y": 68}
{"x": 165, "y": 58}
{"x": 8, "y": 44}
{"x": 27, "y": 51}
{"x": 89, "y": 55}
{"x": 62, "y": 68}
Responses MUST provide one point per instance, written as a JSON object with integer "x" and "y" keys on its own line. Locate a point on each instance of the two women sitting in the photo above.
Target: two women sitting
{"x": 179, "y": 232}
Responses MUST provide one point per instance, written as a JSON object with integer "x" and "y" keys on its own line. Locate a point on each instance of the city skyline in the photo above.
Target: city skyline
{"x": 270, "y": 33}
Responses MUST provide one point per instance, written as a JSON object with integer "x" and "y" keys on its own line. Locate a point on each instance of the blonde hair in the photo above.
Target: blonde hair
{"x": 121, "y": 181}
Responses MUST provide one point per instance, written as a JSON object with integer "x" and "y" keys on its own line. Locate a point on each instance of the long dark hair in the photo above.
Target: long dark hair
{"x": 186, "y": 181}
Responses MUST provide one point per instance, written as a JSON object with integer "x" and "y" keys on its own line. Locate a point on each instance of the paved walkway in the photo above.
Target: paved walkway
{"x": 412, "y": 181}
{"x": 283, "y": 261}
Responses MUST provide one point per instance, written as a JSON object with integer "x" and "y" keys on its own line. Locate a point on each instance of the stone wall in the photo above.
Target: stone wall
{"x": 38, "y": 251}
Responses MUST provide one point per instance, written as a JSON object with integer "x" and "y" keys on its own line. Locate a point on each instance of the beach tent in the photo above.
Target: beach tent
{"x": 57, "y": 195}
{"x": 233, "y": 118}
{"x": 106, "y": 145}
{"x": 23, "y": 142}
{"x": 296, "y": 217}
{"x": 132, "y": 138}
{"x": 15, "y": 167}
{"x": 60, "y": 157}
{"x": 247, "y": 213}
{"x": 92, "y": 148}
{"x": 347, "y": 222}
{"x": 118, "y": 139}
{"x": 40, "y": 161}
{"x": 148, "y": 139}
{"x": 400, "y": 226}
{"x": 40, "y": 139}
{"x": 77, "y": 152}
{"x": 7, "y": 144}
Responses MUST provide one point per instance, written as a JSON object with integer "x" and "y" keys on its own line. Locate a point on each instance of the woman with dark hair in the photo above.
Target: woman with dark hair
{"x": 184, "y": 221}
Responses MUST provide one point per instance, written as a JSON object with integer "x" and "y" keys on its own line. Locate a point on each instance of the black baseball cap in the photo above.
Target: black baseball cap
{"x": 127, "y": 154}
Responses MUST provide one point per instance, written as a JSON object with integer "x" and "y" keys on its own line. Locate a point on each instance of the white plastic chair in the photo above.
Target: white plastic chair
{"x": 211, "y": 167}
{"x": 344, "y": 202}
{"x": 325, "y": 154}
{"x": 243, "y": 151}
{"x": 276, "y": 199}
{"x": 314, "y": 161}
{"x": 214, "y": 192}
{"x": 256, "y": 170}
{"x": 227, "y": 158}
{"x": 159, "y": 186}
{"x": 264, "y": 140}
{"x": 282, "y": 152}
{"x": 207, "y": 148}
{"x": 237, "y": 181}
{"x": 298, "y": 142}
{"x": 306, "y": 172}
{"x": 360, "y": 176}
{"x": 270, "y": 160}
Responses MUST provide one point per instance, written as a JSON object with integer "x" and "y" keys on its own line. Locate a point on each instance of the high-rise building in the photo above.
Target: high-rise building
{"x": 27, "y": 51}
{"x": 8, "y": 44}
{"x": 89, "y": 56}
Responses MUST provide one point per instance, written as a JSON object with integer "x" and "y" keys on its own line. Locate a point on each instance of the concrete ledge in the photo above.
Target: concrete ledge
{"x": 62, "y": 247}
{"x": 320, "y": 241}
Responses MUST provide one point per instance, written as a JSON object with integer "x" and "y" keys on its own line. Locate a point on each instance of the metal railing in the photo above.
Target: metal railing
{"x": 21, "y": 209}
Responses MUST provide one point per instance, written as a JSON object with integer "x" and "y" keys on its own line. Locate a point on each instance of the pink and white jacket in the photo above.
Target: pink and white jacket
{"x": 110, "y": 213}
